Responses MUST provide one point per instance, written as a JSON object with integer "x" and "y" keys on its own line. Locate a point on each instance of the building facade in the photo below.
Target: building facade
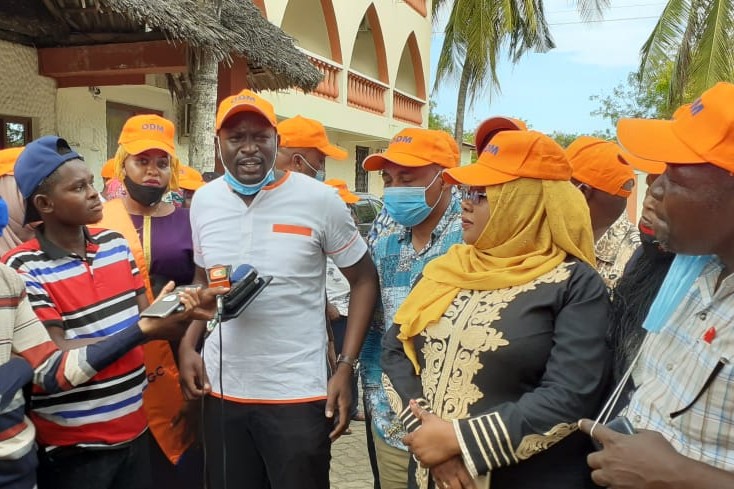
{"x": 374, "y": 55}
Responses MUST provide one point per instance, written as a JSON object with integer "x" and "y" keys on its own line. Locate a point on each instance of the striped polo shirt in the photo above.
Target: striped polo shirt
{"x": 88, "y": 297}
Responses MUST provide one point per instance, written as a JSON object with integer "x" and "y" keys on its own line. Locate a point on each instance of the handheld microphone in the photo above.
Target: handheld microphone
{"x": 242, "y": 272}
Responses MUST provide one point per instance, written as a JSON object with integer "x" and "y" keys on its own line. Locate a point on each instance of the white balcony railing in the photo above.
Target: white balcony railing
{"x": 366, "y": 93}
{"x": 407, "y": 108}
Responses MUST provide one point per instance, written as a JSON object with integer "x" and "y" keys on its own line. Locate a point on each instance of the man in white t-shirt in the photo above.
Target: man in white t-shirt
{"x": 268, "y": 408}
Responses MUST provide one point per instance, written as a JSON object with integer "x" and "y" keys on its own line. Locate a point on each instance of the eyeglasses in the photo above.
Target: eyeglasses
{"x": 471, "y": 194}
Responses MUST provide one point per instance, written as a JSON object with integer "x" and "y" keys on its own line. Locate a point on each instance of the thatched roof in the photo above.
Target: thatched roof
{"x": 274, "y": 61}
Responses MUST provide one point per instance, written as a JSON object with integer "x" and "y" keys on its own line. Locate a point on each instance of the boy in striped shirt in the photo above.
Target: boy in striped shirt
{"x": 84, "y": 287}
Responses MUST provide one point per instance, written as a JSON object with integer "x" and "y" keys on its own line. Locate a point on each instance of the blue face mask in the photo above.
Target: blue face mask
{"x": 407, "y": 205}
{"x": 3, "y": 215}
{"x": 320, "y": 174}
{"x": 246, "y": 189}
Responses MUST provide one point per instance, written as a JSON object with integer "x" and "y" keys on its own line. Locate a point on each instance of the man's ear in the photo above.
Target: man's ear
{"x": 296, "y": 163}
{"x": 43, "y": 203}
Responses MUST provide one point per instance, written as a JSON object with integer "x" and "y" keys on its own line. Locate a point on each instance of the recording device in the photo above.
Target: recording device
{"x": 620, "y": 424}
{"x": 168, "y": 304}
{"x": 245, "y": 285}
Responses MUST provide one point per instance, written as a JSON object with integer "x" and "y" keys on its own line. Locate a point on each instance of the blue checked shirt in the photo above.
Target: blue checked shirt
{"x": 398, "y": 265}
{"x": 675, "y": 365}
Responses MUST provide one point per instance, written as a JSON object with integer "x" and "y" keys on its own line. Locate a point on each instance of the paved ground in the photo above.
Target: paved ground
{"x": 350, "y": 464}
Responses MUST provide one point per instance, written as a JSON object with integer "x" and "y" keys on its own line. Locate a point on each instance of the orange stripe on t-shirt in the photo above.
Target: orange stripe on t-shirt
{"x": 267, "y": 401}
{"x": 292, "y": 229}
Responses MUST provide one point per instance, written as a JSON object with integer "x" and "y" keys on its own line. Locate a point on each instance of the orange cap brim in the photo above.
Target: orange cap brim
{"x": 142, "y": 145}
{"x": 190, "y": 185}
{"x": 7, "y": 168}
{"x": 654, "y": 140}
{"x": 334, "y": 152}
{"x": 492, "y": 126}
{"x": 476, "y": 175}
{"x": 647, "y": 166}
{"x": 377, "y": 161}
{"x": 348, "y": 197}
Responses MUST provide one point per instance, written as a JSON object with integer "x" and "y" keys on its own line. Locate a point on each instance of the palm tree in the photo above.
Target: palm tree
{"x": 478, "y": 31}
{"x": 696, "y": 37}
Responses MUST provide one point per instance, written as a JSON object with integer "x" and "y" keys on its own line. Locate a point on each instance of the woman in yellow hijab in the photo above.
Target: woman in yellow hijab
{"x": 500, "y": 347}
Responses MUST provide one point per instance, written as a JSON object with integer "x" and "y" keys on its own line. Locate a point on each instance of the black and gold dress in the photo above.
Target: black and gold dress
{"x": 513, "y": 369}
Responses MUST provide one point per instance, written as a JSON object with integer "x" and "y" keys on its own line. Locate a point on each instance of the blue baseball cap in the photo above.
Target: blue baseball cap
{"x": 38, "y": 160}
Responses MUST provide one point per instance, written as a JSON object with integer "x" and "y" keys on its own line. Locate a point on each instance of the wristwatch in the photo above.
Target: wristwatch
{"x": 352, "y": 362}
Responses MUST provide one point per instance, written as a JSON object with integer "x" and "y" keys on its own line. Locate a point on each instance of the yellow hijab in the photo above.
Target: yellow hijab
{"x": 533, "y": 225}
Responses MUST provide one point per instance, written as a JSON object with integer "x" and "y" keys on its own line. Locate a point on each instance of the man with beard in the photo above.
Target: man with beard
{"x": 683, "y": 403}
{"x": 269, "y": 415}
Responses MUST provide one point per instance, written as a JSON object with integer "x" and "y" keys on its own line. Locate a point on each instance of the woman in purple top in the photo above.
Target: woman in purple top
{"x": 147, "y": 165}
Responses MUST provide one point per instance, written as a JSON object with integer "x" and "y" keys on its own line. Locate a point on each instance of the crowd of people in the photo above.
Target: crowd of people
{"x": 511, "y": 326}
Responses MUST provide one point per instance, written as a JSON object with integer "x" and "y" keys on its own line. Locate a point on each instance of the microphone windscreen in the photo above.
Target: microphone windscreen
{"x": 241, "y": 272}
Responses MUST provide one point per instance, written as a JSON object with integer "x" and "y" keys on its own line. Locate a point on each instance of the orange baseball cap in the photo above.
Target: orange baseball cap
{"x": 7, "y": 159}
{"x": 701, "y": 132}
{"x": 108, "y": 169}
{"x": 648, "y": 166}
{"x": 415, "y": 147}
{"x": 189, "y": 178}
{"x": 300, "y": 132}
{"x": 597, "y": 163}
{"x": 489, "y": 127}
{"x": 144, "y": 132}
{"x": 512, "y": 155}
{"x": 341, "y": 187}
{"x": 245, "y": 101}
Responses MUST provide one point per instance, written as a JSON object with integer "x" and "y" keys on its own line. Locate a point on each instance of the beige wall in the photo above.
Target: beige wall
{"x": 406, "y": 79}
{"x": 397, "y": 21}
{"x": 364, "y": 57}
{"x": 304, "y": 20}
{"x": 23, "y": 92}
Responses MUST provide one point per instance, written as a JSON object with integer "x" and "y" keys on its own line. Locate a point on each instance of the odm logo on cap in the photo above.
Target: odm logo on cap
{"x": 696, "y": 107}
{"x": 153, "y": 127}
{"x": 402, "y": 139}
{"x": 492, "y": 149}
{"x": 243, "y": 98}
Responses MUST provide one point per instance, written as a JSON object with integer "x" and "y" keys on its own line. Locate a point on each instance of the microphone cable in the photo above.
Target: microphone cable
{"x": 221, "y": 402}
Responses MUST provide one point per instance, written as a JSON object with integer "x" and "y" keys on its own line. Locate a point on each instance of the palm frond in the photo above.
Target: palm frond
{"x": 592, "y": 9}
{"x": 666, "y": 35}
{"x": 714, "y": 56}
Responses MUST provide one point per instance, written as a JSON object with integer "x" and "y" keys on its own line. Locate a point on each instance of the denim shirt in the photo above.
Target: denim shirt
{"x": 398, "y": 266}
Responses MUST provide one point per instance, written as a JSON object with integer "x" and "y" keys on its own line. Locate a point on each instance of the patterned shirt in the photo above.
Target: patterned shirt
{"x": 695, "y": 346}
{"x": 615, "y": 248}
{"x": 89, "y": 297}
{"x": 398, "y": 266}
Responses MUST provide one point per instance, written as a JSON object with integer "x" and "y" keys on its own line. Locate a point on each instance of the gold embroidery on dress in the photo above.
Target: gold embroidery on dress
{"x": 453, "y": 346}
{"x": 393, "y": 398}
{"x": 532, "y": 444}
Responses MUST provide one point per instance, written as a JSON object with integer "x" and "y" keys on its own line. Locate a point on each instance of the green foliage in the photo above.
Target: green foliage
{"x": 635, "y": 98}
{"x": 438, "y": 121}
{"x": 695, "y": 38}
{"x": 443, "y": 122}
{"x": 566, "y": 138}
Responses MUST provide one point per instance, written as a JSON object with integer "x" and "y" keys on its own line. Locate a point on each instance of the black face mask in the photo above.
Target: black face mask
{"x": 144, "y": 194}
{"x": 651, "y": 247}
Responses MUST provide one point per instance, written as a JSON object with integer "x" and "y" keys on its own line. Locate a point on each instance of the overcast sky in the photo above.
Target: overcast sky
{"x": 551, "y": 91}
